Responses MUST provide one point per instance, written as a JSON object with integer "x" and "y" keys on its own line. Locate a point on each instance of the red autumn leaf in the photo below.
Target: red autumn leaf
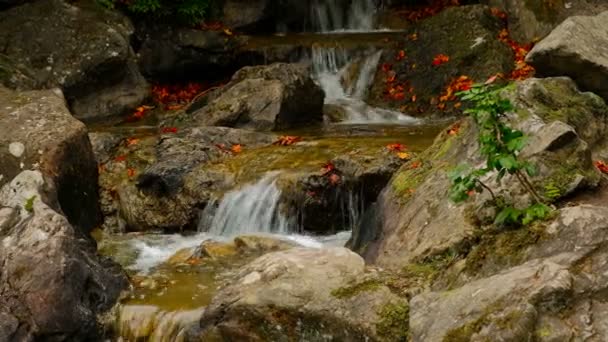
{"x": 398, "y": 96}
{"x": 165, "y": 130}
{"x": 120, "y": 159}
{"x": 416, "y": 164}
{"x": 396, "y": 147}
{"x": 327, "y": 168}
{"x": 400, "y": 55}
{"x": 440, "y": 59}
{"x": 386, "y": 67}
{"x": 602, "y": 166}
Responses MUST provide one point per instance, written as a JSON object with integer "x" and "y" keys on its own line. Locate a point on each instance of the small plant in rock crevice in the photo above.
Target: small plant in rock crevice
{"x": 500, "y": 145}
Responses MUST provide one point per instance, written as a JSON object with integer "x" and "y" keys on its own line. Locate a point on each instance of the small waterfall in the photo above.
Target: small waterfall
{"x": 333, "y": 15}
{"x": 251, "y": 209}
{"x": 149, "y": 323}
{"x": 329, "y": 64}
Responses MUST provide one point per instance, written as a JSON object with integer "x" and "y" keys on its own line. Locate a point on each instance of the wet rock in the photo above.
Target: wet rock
{"x": 240, "y": 14}
{"x": 38, "y": 132}
{"x": 412, "y": 210}
{"x": 260, "y": 244}
{"x": 574, "y": 49}
{"x": 294, "y": 294}
{"x": 529, "y": 21}
{"x": 278, "y": 96}
{"x": 100, "y": 78}
{"x": 104, "y": 145}
{"x": 52, "y": 282}
{"x": 169, "y": 182}
{"x": 466, "y": 34}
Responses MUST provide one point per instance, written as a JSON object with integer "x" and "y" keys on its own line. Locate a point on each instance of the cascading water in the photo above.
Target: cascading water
{"x": 331, "y": 15}
{"x": 251, "y": 209}
{"x": 331, "y": 63}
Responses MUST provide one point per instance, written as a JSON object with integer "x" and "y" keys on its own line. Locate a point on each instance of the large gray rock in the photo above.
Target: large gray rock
{"x": 302, "y": 294}
{"x": 38, "y": 132}
{"x": 277, "y": 96}
{"x": 549, "y": 297}
{"x": 532, "y": 20}
{"x": 100, "y": 78}
{"x": 576, "y": 49}
{"x": 410, "y": 222}
{"x": 52, "y": 284}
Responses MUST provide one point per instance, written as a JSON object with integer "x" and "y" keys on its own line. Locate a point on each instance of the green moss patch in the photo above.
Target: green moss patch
{"x": 393, "y": 324}
{"x": 353, "y": 290}
{"x": 503, "y": 249}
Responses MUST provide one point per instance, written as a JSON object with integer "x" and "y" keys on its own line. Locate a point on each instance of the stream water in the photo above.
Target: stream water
{"x": 170, "y": 295}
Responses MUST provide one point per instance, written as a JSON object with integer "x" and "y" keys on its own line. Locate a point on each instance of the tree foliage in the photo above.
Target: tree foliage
{"x": 185, "y": 11}
{"x": 499, "y": 145}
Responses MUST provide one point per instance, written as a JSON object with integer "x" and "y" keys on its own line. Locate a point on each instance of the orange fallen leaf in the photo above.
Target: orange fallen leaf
{"x": 403, "y": 155}
{"x": 440, "y": 59}
{"x": 236, "y": 148}
{"x": 413, "y": 37}
{"x": 413, "y": 98}
{"x": 287, "y": 140}
{"x": 455, "y": 129}
{"x": 416, "y": 164}
{"x": 120, "y": 159}
{"x": 228, "y": 32}
{"x": 130, "y": 172}
{"x": 132, "y": 141}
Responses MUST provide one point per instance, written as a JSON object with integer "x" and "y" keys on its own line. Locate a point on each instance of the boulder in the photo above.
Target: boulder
{"x": 38, "y": 132}
{"x": 52, "y": 283}
{"x": 409, "y": 222}
{"x": 277, "y": 96}
{"x": 99, "y": 78}
{"x": 530, "y": 21}
{"x": 575, "y": 49}
{"x": 558, "y": 282}
{"x": 467, "y": 35}
{"x": 303, "y": 294}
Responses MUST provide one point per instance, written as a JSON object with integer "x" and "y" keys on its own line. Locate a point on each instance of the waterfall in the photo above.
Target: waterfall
{"x": 329, "y": 64}
{"x": 332, "y": 15}
{"x": 251, "y": 209}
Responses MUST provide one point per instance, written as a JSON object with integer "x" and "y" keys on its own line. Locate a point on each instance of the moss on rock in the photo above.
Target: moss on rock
{"x": 393, "y": 324}
{"x": 353, "y": 290}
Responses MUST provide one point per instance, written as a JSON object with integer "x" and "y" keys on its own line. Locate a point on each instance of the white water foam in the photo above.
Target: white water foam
{"x": 331, "y": 16}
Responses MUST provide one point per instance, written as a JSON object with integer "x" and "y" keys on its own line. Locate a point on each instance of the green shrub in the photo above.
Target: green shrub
{"x": 184, "y": 11}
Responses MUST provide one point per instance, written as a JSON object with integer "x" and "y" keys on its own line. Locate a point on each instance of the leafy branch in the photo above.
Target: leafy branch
{"x": 499, "y": 145}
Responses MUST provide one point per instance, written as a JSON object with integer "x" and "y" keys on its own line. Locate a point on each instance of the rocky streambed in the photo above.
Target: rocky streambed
{"x": 288, "y": 176}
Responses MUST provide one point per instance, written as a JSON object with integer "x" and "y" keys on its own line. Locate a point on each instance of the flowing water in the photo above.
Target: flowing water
{"x": 252, "y": 209}
{"x": 332, "y": 64}
{"x": 172, "y": 286}
{"x": 328, "y": 16}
